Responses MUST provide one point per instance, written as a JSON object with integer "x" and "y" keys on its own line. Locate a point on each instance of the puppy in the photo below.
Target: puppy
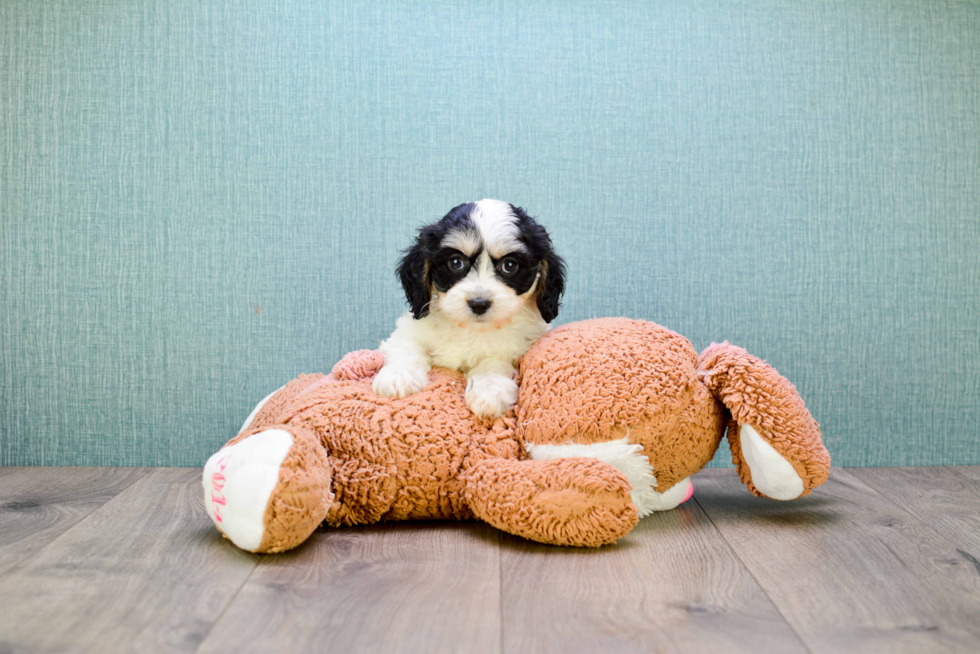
{"x": 483, "y": 284}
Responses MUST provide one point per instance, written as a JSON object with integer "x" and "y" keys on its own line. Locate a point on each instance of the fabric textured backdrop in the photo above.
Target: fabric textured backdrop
{"x": 200, "y": 200}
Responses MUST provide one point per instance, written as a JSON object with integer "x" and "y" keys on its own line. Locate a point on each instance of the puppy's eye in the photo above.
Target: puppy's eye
{"x": 456, "y": 263}
{"x": 508, "y": 266}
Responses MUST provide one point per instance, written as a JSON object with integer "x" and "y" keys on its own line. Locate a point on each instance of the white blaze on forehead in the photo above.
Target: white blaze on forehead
{"x": 466, "y": 241}
{"x": 497, "y": 226}
{"x": 484, "y": 266}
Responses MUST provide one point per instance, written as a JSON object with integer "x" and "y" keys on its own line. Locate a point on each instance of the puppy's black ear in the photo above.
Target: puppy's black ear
{"x": 414, "y": 275}
{"x": 552, "y": 285}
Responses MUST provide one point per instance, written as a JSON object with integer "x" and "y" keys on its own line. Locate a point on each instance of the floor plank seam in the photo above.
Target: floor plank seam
{"x": 761, "y": 587}
{"x": 227, "y": 606}
{"x": 869, "y": 483}
{"x": 17, "y": 566}
{"x": 924, "y": 519}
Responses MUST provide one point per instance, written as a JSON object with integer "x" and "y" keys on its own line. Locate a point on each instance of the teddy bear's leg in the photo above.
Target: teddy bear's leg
{"x": 269, "y": 410}
{"x": 630, "y": 460}
{"x": 268, "y": 489}
{"x": 258, "y": 407}
{"x": 569, "y": 501}
{"x": 775, "y": 442}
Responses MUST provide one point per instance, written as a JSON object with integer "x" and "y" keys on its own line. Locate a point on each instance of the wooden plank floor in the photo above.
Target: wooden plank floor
{"x": 125, "y": 560}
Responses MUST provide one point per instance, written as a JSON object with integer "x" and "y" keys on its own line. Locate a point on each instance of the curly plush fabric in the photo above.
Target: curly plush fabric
{"x": 564, "y": 502}
{"x": 600, "y": 380}
{"x": 275, "y": 404}
{"x": 358, "y": 458}
{"x": 757, "y": 395}
{"x": 302, "y": 497}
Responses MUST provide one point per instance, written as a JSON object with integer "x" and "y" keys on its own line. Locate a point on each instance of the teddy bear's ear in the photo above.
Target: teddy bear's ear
{"x": 413, "y": 272}
{"x": 552, "y": 285}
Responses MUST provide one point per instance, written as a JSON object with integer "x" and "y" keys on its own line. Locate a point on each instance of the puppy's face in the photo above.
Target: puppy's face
{"x": 481, "y": 264}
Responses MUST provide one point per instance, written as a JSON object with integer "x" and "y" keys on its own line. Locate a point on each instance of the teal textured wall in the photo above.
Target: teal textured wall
{"x": 200, "y": 200}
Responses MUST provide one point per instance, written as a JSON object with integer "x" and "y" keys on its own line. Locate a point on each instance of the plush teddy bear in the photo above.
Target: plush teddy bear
{"x": 613, "y": 418}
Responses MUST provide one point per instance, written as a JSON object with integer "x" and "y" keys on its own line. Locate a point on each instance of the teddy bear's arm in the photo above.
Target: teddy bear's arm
{"x": 572, "y": 501}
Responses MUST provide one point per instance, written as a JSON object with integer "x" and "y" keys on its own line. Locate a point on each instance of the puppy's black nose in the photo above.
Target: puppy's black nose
{"x": 479, "y": 305}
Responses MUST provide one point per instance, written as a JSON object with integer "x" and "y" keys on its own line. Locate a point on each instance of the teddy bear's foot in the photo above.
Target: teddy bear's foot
{"x": 238, "y": 482}
{"x": 268, "y": 490}
{"x": 577, "y": 501}
{"x": 772, "y": 475}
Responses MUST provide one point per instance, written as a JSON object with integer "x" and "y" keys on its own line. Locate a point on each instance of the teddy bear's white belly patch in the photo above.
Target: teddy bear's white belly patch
{"x": 629, "y": 459}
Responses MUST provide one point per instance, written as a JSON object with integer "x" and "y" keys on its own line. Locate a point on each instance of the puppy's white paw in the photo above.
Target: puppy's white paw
{"x": 490, "y": 396}
{"x": 400, "y": 380}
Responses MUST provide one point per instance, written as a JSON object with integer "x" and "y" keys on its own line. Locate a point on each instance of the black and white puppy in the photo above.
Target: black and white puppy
{"x": 483, "y": 284}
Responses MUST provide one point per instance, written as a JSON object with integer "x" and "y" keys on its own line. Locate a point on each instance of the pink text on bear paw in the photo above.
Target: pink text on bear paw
{"x": 217, "y": 483}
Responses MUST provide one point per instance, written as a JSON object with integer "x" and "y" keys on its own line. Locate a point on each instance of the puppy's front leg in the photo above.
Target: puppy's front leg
{"x": 406, "y": 368}
{"x": 491, "y": 389}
